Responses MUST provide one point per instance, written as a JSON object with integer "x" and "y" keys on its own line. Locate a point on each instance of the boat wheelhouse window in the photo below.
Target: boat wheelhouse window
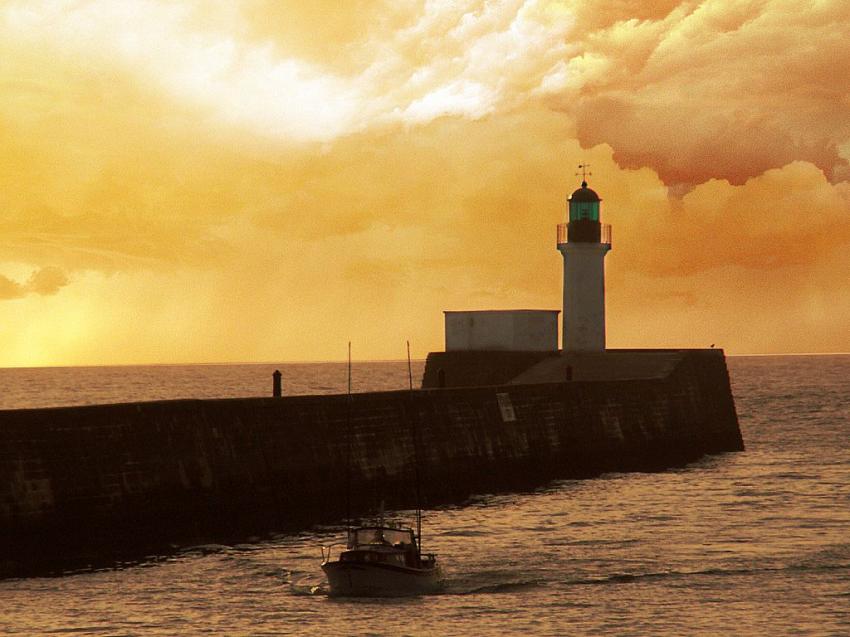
{"x": 398, "y": 536}
{"x": 366, "y": 536}
{"x": 372, "y": 556}
{"x": 381, "y": 535}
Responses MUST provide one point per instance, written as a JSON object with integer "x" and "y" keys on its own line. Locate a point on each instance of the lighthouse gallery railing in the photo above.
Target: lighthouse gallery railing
{"x": 605, "y": 235}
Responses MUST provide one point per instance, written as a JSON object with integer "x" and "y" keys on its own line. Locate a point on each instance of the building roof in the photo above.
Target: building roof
{"x": 500, "y": 311}
{"x": 584, "y": 194}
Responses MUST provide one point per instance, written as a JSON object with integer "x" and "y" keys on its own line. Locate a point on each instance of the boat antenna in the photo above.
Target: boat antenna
{"x": 348, "y": 452}
{"x": 415, "y": 460}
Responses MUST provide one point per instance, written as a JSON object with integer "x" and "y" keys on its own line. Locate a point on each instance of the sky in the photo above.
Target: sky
{"x": 266, "y": 180}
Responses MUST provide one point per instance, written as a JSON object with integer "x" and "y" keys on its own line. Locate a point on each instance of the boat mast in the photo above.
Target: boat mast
{"x": 415, "y": 460}
{"x": 348, "y": 453}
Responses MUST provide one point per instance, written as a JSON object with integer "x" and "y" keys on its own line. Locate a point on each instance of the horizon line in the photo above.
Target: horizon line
{"x": 341, "y": 361}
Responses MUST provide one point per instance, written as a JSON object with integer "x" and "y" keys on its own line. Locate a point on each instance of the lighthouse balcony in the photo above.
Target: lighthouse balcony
{"x": 584, "y": 233}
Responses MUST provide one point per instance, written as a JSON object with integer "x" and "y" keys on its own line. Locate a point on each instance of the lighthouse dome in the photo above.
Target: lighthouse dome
{"x": 583, "y": 207}
{"x": 584, "y": 194}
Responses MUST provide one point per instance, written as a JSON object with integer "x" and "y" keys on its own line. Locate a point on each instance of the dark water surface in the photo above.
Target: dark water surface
{"x": 754, "y": 543}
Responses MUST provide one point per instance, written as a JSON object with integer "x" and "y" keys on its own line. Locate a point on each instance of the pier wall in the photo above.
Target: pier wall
{"x": 82, "y": 484}
{"x": 478, "y": 368}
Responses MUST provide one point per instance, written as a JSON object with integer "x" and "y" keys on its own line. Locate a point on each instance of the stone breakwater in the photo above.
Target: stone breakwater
{"x": 86, "y": 485}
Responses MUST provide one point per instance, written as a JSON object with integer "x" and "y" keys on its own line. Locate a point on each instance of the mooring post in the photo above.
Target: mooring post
{"x": 276, "y": 384}
{"x": 441, "y": 378}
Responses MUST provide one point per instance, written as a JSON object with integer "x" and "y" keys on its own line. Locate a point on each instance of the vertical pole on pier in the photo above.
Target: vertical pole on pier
{"x": 276, "y": 384}
{"x": 409, "y": 369}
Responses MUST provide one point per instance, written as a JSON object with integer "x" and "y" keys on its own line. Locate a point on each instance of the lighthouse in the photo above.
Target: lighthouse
{"x": 584, "y": 241}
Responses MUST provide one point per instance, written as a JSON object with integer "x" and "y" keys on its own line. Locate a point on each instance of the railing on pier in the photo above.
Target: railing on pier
{"x": 605, "y": 234}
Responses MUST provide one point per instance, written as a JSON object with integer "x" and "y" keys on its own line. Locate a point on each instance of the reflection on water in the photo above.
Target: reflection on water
{"x": 747, "y": 544}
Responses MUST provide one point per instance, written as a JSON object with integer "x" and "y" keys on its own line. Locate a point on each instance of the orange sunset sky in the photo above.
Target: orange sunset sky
{"x": 264, "y": 180}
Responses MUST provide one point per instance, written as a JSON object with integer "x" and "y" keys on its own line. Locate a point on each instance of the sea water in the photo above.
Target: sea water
{"x": 753, "y": 543}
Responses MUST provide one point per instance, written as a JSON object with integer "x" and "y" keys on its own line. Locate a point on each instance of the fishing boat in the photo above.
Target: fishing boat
{"x": 381, "y": 561}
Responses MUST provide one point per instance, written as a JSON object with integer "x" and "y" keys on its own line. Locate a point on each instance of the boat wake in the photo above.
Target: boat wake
{"x": 492, "y": 582}
{"x": 308, "y": 589}
{"x": 494, "y": 589}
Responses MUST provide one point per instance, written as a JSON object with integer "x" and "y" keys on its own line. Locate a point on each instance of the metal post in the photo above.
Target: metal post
{"x": 276, "y": 384}
{"x": 409, "y": 369}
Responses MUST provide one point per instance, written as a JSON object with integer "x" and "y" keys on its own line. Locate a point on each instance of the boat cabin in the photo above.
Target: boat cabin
{"x": 380, "y": 536}
{"x": 379, "y": 557}
{"x": 384, "y": 545}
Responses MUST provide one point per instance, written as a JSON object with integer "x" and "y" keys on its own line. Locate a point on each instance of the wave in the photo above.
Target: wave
{"x": 307, "y": 589}
{"x": 620, "y": 578}
{"x": 466, "y": 533}
{"x": 204, "y": 549}
{"x": 493, "y": 581}
{"x": 494, "y": 588}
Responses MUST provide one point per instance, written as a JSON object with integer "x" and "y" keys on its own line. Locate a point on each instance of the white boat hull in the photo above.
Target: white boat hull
{"x": 357, "y": 579}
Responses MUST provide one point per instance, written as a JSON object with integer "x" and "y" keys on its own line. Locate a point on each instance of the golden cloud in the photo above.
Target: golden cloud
{"x": 205, "y": 183}
{"x": 46, "y": 281}
{"x": 718, "y": 89}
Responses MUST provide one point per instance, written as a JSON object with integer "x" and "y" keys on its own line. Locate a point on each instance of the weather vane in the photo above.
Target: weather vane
{"x": 585, "y": 173}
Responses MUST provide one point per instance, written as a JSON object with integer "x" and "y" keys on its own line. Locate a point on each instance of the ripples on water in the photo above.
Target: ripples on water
{"x": 747, "y": 544}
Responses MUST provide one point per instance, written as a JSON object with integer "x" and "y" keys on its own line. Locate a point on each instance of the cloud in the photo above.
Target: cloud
{"x": 44, "y": 282}
{"x": 716, "y": 90}
{"x": 160, "y": 44}
{"x": 258, "y": 180}
{"x": 788, "y": 217}
{"x": 10, "y": 289}
{"x": 694, "y": 90}
{"x": 469, "y": 99}
{"x": 99, "y": 173}
{"x": 441, "y": 58}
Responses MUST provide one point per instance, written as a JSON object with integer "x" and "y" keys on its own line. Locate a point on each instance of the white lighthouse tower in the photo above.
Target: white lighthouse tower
{"x": 584, "y": 242}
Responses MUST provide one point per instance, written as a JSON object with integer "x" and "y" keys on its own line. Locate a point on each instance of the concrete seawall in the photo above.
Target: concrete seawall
{"x": 85, "y": 484}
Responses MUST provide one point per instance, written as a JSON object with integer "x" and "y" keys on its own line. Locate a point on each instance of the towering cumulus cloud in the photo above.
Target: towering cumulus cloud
{"x": 721, "y": 89}
{"x": 269, "y": 179}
